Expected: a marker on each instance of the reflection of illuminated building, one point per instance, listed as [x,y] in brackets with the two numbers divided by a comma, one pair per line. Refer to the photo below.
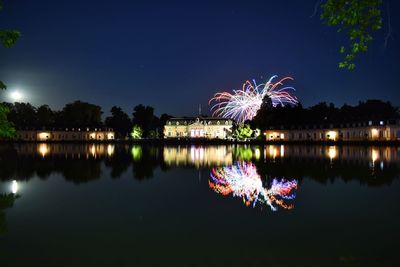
[375,157]
[198,155]
[68,151]
[374,154]
[110,150]
[332,153]
[273,152]
[242,180]
[346,153]
[44,149]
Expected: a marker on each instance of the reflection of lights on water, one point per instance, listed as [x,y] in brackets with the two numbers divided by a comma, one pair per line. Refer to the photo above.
[282,151]
[110,150]
[197,153]
[257,153]
[93,150]
[14,187]
[136,152]
[242,180]
[44,149]
[374,155]
[273,152]
[332,153]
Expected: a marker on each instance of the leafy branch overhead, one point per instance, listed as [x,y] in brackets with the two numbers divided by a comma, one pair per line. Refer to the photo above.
[2,86]
[358,19]
[7,40]
[9,37]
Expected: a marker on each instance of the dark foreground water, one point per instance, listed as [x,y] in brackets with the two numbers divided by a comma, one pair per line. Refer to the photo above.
[116,205]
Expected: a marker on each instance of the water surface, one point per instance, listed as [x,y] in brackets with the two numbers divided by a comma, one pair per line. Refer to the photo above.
[235,205]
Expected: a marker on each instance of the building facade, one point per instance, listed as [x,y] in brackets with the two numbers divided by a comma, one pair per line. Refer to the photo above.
[362,131]
[200,127]
[66,134]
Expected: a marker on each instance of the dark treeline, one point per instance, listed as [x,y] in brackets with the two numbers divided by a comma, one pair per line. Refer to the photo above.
[82,114]
[323,114]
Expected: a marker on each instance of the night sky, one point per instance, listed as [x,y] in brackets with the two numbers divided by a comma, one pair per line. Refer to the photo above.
[176,55]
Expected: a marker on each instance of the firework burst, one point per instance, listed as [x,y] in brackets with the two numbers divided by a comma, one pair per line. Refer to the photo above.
[242,105]
[242,180]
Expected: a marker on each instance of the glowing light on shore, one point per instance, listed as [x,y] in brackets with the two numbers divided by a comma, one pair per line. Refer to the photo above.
[242,105]
[242,181]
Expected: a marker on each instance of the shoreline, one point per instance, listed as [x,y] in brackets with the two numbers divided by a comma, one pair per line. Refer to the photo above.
[209,142]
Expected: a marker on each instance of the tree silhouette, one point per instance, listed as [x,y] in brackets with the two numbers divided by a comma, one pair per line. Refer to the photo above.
[119,121]
[358,19]
[143,116]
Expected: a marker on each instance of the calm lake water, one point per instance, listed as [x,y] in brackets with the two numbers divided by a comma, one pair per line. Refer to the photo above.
[235,205]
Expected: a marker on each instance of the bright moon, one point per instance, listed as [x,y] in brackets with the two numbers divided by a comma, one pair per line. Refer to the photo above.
[16,96]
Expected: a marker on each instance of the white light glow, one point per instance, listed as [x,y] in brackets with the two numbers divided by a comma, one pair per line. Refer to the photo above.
[14,187]
[332,153]
[110,150]
[44,149]
[16,95]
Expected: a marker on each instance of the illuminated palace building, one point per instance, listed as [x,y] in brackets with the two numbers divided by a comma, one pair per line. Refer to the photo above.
[66,134]
[200,127]
[361,131]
